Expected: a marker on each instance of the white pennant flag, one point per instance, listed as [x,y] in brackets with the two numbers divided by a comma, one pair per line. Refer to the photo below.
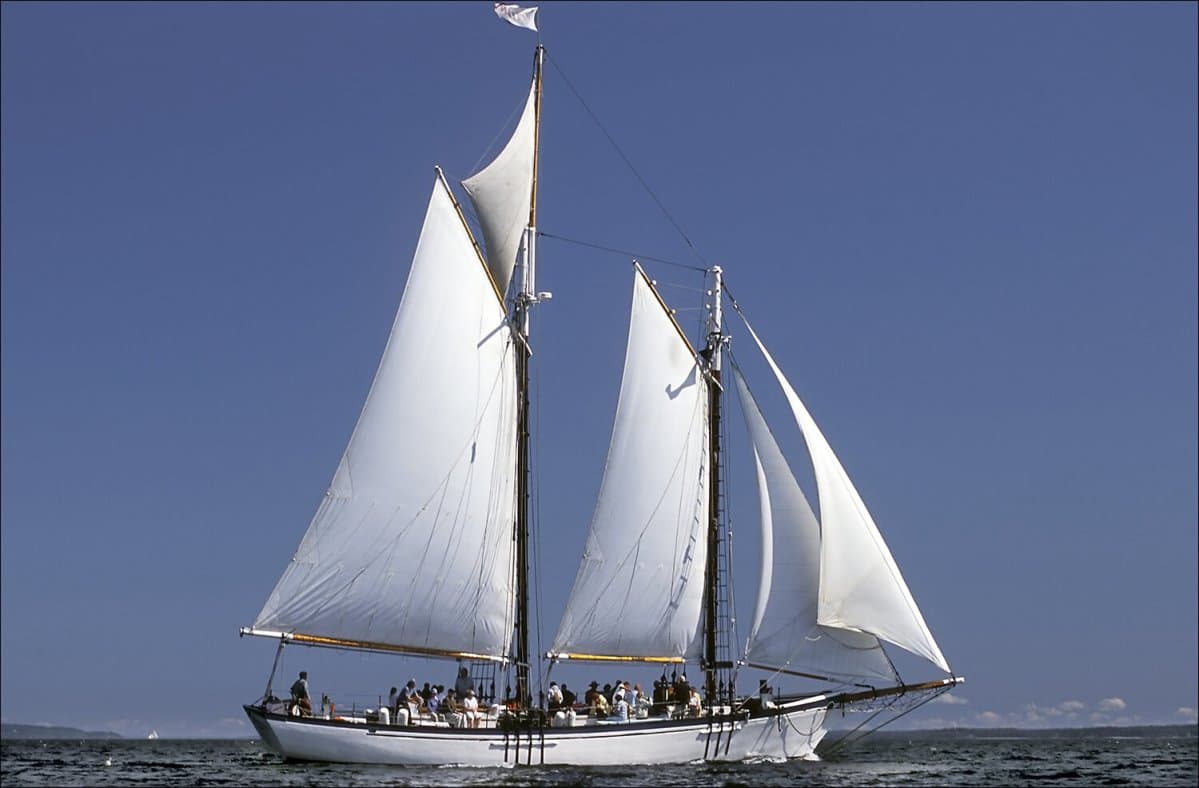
[521,17]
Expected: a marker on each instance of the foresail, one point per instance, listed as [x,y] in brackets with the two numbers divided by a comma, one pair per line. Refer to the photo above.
[502,193]
[412,545]
[639,589]
[860,584]
[784,633]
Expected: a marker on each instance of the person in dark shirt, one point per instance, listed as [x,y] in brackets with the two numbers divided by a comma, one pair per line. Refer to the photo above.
[299,694]
[682,692]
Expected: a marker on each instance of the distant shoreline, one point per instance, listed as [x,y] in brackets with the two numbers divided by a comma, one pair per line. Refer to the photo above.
[1185,730]
[17,731]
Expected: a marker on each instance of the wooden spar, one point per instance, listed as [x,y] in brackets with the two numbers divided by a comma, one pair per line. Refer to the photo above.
[466,228]
[528,295]
[617,658]
[902,689]
[367,645]
[713,598]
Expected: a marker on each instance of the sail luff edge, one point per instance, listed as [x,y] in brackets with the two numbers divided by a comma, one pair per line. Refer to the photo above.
[662,303]
[471,236]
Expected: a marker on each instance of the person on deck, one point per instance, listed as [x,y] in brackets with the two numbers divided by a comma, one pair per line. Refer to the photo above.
[452,710]
[568,697]
[393,700]
[621,709]
[591,694]
[463,683]
[410,696]
[555,696]
[682,691]
[642,705]
[299,694]
[434,703]
[470,707]
[661,696]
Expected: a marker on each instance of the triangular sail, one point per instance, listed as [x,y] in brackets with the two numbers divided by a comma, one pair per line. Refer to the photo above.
[784,633]
[502,193]
[639,589]
[412,545]
[860,585]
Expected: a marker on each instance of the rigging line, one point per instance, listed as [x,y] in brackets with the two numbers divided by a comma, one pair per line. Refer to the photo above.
[498,134]
[689,289]
[862,724]
[622,252]
[846,740]
[536,524]
[625,158]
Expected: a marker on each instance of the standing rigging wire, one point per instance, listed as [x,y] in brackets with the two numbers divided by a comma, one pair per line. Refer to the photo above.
[628,163]
[621,252]
[498,135]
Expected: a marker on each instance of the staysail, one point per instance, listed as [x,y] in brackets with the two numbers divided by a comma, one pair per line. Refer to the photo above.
[861,587]
[502,193]
[639,589]
[411,547]
[784,634]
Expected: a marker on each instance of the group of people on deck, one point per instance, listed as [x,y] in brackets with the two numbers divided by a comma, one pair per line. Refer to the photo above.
[620,702]
[459,705]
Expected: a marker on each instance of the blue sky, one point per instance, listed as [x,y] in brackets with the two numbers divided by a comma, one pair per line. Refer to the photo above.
[967,232]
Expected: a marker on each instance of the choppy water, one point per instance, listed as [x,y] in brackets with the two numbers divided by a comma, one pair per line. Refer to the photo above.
[1167,757]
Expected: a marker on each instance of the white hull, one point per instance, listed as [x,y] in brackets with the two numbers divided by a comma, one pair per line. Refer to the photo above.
[793,734]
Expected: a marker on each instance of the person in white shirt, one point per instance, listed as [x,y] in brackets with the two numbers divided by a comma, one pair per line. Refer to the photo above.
[621,709]
[470,707]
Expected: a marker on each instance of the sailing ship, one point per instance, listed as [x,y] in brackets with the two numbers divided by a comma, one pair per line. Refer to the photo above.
[421,543]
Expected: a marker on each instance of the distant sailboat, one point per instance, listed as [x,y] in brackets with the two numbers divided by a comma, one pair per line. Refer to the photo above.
[437,467]
[152,735]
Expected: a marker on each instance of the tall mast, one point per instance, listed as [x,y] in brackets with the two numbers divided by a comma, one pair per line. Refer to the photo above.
[714,594]
[524,302]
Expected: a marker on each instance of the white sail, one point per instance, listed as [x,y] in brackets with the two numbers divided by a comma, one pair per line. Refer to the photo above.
[639,588]
[784,633]
[860,585]
[502,193]
[412,545]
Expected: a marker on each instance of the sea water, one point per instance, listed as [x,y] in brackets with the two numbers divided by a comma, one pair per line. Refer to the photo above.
[1167,756]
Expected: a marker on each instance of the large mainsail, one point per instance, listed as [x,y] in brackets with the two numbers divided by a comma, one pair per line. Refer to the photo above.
[412,547]
[860,585]
[639,589]
[784,634]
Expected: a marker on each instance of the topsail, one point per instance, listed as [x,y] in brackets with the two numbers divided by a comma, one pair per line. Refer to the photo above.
[502,193]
